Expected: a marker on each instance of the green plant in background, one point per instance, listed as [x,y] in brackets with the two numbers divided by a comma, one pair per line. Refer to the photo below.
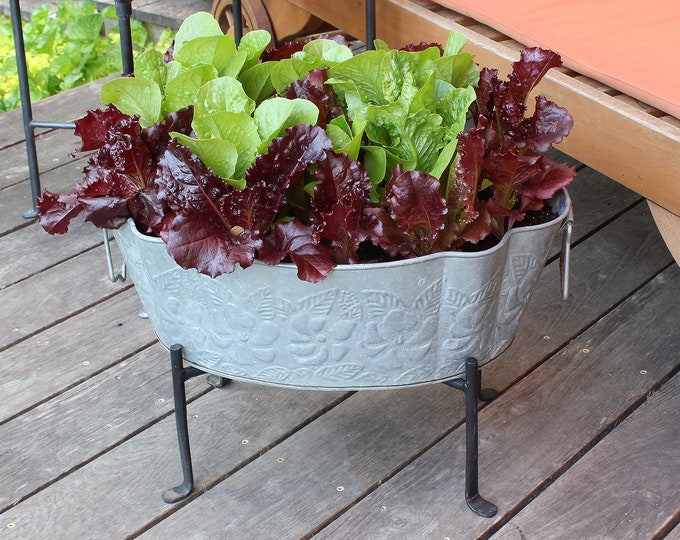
[65,49]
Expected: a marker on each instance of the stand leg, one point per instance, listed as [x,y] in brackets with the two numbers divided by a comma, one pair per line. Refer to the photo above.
[178,377]
[471,386]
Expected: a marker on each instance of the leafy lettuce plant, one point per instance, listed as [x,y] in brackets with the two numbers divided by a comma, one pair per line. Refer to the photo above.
[309,153]
[502,171]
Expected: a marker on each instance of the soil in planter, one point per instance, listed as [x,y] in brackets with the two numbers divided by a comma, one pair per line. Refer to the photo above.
[536,217]
[532,217]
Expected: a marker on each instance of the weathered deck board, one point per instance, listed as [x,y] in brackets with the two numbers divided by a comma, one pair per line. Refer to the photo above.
[102,411]
[65,107]
[48,297]
[340,457]
[536,428]
[62,356]
[165,13]
[46,251]
[637,489]
[121,489]
[16,199]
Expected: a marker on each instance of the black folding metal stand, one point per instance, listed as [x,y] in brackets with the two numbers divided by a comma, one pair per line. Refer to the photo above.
[471,385]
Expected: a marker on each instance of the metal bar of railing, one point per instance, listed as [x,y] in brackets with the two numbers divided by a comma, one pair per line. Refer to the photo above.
[370,24]
[124,12]
[26,110]
[238,20]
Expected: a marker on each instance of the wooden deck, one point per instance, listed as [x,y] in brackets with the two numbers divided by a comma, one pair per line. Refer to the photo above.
[583,442]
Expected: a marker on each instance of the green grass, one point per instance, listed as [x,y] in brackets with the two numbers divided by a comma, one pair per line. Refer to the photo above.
[66,49]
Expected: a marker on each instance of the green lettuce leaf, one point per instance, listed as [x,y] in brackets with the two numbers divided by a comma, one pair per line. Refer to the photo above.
[213,50]
[328,50]
[217,154]
[254,43]
[375,163]
[359,75]
[454,43]
[238,128]
[197,25]
[149,65]
[222,94]
[453,107]
[234,64]
[257,81]
[133,96]
[403,73]
[181,91]
[460,70]
[274,115]
[346,139]
[293,69]
[426,136]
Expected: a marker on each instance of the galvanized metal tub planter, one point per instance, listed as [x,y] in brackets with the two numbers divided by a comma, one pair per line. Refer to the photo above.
[382,325]
[369,326]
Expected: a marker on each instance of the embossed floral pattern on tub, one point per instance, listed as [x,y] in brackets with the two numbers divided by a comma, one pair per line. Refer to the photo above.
[399,334]
[317,340]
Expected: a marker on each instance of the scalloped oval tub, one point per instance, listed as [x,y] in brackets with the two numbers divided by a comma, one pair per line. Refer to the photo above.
[366,326]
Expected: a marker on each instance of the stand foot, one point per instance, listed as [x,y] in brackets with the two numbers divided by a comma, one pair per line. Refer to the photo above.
[216,381]
[30,214]
[488,394]
[480,506]
[178,493]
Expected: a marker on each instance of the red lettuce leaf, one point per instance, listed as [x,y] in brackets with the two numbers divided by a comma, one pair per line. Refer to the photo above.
[464,186]
[196,242]
[157,136]
[169,55]
[93,128]
[548,125]
[383,231]
[463,190]
[338,203]
[283,52]
[481,227]
[521,178]
[313,88]
[57,210]
[118,179]
[302,244]
[417,207]
[422,46]
[216,226]
[527,72]
[549,178]
[283,165]
[506,171]
[208,230]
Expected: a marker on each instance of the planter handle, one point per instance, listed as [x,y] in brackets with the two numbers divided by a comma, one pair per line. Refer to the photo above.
[109,261]
[565,254]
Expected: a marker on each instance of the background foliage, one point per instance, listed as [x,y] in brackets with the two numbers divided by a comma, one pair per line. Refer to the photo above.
[65,49]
